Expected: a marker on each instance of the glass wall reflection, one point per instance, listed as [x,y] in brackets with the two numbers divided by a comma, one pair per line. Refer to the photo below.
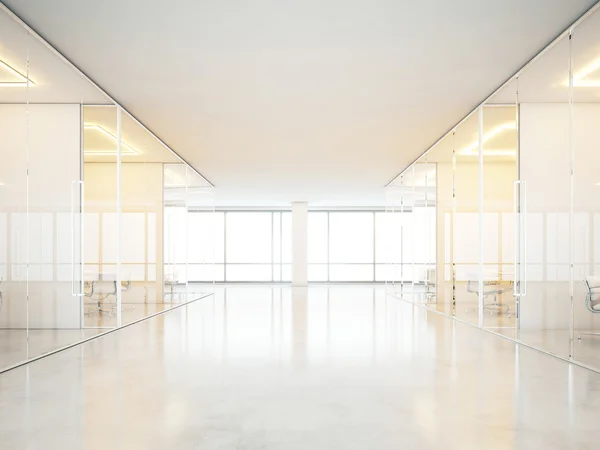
[585,140]
[468,272]
[81,204]
[499,158]
[545,169]
[516,204]
[442,157]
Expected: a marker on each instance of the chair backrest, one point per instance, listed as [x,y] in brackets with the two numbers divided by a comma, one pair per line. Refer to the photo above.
[430,271]
[171,277]
[593,285]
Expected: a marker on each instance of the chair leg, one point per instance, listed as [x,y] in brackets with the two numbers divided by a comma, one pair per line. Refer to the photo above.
[588,333]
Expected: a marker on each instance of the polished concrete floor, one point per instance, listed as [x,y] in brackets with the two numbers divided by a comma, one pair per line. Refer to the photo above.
[18,345]
[503,321]
[329,368]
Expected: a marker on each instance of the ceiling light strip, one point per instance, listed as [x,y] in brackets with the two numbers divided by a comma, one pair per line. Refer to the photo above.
[33,33]
[566,32]
[15,72]
[130,150]
[473,149]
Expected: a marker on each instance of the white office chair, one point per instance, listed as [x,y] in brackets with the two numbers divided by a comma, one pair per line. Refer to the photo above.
[592,300]
[171,281]
[491,288]
[430,284]
[101,289]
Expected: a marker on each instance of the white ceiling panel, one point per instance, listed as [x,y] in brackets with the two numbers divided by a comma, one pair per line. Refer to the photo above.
[278,101]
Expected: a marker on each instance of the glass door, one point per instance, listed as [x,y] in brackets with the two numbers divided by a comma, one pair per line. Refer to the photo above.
[501,213]
[100,217]
[544,191]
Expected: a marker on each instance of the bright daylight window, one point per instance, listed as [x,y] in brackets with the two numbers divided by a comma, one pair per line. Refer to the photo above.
[342,246]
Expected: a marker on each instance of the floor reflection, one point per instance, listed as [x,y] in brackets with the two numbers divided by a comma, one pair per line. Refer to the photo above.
[550,334]
[17,345]
[324,368]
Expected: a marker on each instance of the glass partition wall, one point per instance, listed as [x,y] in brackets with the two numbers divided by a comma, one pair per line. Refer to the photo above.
[517,210]
[82,209]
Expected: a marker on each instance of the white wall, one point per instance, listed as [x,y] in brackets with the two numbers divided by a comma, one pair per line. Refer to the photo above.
[42,237]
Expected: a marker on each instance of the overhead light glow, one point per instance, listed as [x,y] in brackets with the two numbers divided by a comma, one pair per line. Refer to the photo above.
[126,150]
[22,78]
[579,78]
[172,179]
[473,149]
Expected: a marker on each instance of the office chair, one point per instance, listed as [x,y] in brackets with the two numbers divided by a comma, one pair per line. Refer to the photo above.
[171,282]
[93,285]
[592,300]
[430,284]
[491,288]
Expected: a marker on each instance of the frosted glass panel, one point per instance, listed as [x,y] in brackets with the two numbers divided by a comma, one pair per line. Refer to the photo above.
[109,238]
[545,170]
[508,236]
[465,252]
[91,239]
[490,237]
[175,246]
[133,248]
[63,238]
[151,249]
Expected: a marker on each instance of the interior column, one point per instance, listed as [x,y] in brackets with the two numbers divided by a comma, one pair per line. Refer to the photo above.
[299,244]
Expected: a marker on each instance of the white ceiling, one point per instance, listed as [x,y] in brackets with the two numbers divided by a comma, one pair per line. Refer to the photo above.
[277,101]
[54,81]
[100,134]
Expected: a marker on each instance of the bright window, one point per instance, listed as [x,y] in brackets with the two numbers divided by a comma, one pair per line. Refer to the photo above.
[351,237]
[248,237]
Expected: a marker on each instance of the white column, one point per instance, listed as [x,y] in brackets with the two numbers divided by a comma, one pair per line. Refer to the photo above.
[299,244]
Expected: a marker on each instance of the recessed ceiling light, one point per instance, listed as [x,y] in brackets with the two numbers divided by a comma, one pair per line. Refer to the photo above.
[473,149]
[173,179]
[579,78]
[22,78]
[126,150]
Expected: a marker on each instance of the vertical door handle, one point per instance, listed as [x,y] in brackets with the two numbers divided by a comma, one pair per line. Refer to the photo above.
[519,238]
[79,292]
